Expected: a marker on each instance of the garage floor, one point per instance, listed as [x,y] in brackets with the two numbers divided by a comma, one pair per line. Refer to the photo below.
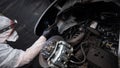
[26,12]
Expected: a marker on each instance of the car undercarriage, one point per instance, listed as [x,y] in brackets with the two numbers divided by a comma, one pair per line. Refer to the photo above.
[88,34]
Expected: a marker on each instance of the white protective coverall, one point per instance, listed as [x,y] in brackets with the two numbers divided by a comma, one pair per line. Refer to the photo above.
[12,58]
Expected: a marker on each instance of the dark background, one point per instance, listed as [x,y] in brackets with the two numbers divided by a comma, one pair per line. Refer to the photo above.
[26,12]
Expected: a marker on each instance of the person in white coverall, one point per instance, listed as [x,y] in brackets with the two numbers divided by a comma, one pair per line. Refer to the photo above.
[10,57]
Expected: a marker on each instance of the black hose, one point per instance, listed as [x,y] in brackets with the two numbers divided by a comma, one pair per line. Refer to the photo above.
[83,55]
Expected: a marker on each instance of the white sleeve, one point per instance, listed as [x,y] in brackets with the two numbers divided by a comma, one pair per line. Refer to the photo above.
[31,52]
[8,56]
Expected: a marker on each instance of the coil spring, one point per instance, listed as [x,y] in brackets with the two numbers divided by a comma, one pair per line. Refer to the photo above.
[72,32]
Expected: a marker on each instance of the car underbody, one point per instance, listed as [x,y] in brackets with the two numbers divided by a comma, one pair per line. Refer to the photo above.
[89,34]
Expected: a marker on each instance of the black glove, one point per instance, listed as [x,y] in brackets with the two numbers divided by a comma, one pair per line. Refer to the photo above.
[50,32]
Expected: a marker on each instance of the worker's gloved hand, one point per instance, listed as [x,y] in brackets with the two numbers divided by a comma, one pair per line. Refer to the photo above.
[50,32]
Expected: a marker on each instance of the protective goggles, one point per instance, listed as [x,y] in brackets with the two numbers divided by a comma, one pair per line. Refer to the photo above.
[11,26]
